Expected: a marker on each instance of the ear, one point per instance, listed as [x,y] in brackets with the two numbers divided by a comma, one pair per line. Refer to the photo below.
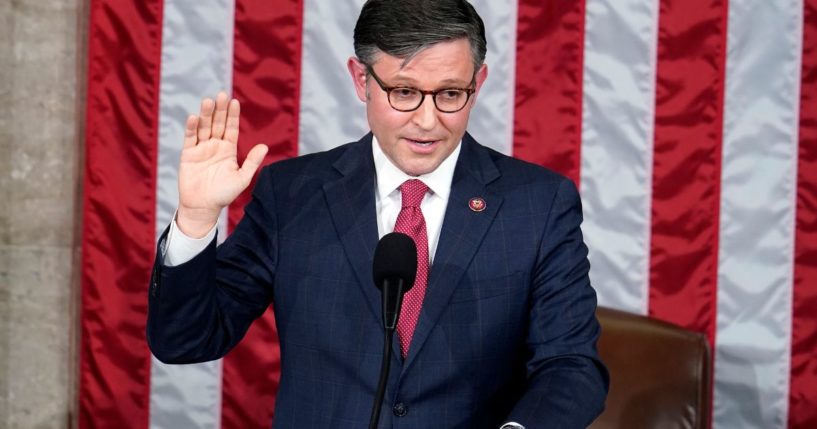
[482,74]
[359,74]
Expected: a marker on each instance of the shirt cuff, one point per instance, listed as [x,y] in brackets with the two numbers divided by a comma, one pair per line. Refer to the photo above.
[180,248]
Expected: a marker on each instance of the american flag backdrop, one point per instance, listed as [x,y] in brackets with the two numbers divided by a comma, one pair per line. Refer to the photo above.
[690,127]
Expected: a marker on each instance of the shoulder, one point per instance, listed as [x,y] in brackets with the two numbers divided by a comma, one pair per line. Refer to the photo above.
[517,169]
[515,175]
[317,167]
[314,164]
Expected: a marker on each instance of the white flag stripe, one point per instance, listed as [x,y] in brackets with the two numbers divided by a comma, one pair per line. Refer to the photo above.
[757,214]
[197,61]
[330,113]
[617,141]
[491,121]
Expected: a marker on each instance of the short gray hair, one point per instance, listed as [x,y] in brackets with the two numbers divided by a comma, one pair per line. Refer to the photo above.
[403,28]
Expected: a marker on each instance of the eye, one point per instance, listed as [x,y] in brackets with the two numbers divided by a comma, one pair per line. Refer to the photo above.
[404,93]
[450,94]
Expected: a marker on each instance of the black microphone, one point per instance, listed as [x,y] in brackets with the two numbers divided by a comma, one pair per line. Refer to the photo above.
[394,269]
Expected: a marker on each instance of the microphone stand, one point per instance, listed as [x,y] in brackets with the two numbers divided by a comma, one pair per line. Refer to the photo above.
[392,301]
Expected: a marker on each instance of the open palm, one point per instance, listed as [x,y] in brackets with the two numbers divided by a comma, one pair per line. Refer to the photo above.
[210,177]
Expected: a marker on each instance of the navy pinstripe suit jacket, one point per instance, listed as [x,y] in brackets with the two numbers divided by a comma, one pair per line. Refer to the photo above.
[507,331]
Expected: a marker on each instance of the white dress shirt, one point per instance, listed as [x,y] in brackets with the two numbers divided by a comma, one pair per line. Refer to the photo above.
[180,248]
[389,200]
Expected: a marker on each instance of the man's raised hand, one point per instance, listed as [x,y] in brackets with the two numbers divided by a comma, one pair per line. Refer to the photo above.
[209,175]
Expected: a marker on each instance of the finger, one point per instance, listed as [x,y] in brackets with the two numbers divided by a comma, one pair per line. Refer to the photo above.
[206,119]
[190,138]
[254,160]
[220,116]
[233,112]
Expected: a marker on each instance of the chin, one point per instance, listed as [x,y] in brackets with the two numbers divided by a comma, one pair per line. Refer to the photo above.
[417,170]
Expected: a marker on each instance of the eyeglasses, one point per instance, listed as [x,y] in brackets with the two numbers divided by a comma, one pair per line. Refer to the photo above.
[407,99]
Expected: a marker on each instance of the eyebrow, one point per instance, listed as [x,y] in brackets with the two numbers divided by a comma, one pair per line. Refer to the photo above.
[445,83]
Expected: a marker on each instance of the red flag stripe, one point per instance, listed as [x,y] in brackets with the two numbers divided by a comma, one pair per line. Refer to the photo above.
[548,99]
[118,234]
[266,80]
[803,384]
[687,163]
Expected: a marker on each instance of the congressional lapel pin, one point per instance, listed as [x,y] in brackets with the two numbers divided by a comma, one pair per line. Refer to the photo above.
[476,204]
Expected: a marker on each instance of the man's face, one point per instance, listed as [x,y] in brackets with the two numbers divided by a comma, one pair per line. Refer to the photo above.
[418,141]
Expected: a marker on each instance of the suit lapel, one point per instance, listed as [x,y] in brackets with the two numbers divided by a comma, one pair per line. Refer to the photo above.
[352,207]
[462,233]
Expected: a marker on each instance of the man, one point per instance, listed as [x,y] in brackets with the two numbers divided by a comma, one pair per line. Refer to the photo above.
[499,330]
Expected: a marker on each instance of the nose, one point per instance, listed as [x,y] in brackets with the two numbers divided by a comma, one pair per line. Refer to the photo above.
[425,117]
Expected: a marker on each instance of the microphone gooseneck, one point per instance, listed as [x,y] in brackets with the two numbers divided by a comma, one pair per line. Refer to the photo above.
[394,270]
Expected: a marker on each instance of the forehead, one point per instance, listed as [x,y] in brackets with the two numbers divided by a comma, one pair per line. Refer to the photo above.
[444,62]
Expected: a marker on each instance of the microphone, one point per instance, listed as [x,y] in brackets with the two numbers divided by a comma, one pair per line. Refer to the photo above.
[394,270]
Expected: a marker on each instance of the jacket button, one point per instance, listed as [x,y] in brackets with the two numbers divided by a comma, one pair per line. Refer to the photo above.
[400,409]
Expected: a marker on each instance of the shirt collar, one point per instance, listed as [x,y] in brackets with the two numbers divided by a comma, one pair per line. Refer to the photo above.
[389,177]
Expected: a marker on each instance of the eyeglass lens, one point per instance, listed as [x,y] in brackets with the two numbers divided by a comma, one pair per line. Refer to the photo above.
[448,100]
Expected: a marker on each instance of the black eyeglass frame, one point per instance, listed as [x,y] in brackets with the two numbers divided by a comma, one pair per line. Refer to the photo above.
[388,90]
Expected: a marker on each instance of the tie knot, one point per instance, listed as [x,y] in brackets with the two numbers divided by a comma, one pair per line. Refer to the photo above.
[413,191]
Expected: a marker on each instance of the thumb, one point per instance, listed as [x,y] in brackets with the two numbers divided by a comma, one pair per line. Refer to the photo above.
[254,159]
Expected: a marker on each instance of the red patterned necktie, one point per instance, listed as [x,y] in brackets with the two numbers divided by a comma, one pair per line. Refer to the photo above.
[411,222]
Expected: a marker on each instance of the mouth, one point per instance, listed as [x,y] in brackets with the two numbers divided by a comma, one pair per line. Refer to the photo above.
[423,143]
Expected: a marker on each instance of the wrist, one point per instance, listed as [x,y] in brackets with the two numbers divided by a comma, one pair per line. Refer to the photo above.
[196,223]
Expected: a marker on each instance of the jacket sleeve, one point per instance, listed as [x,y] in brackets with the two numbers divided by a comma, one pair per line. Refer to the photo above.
[566,382]
[199,310]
